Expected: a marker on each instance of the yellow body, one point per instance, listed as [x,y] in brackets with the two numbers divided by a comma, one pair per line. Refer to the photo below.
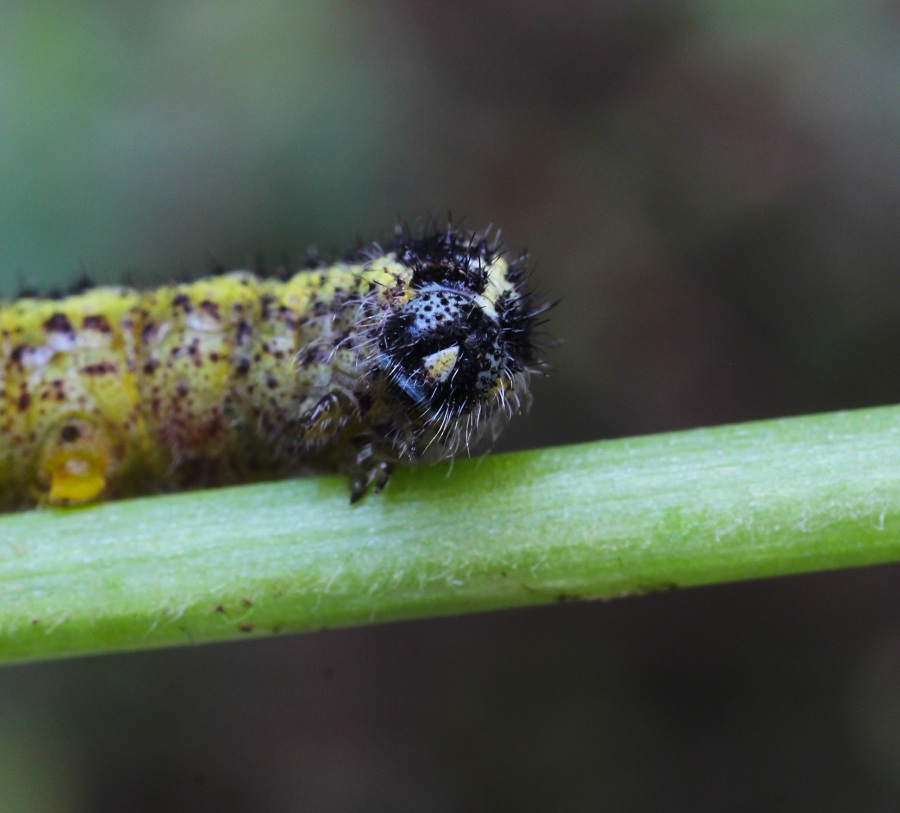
[117,391]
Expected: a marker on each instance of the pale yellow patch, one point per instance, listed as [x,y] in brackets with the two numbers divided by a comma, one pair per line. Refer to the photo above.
[440,364]
[76,479]
[389,274]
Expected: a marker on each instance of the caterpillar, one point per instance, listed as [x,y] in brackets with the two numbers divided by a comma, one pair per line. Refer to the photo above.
[394,355]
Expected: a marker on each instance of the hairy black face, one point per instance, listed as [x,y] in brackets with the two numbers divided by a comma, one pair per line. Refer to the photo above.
[444,351]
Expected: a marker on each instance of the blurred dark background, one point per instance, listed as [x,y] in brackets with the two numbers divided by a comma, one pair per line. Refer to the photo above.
[712,188]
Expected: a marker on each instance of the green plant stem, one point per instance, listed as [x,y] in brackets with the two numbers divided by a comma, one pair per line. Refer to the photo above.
[594,520]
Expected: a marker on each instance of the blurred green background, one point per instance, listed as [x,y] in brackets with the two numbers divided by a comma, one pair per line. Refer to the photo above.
[713,189]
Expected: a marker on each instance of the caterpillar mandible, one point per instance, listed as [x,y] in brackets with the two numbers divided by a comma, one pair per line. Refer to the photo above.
[393,355]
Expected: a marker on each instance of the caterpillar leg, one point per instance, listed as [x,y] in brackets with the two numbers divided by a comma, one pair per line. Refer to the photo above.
[372,464]
[369,469]
[74,463]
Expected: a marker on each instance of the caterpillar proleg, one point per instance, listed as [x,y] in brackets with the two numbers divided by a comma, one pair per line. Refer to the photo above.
[410,352]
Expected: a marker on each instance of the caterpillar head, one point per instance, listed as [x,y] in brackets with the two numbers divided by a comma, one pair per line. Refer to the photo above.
[458,352]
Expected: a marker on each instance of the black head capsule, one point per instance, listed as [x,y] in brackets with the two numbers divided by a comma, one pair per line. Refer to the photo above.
[443,350]
[457,354]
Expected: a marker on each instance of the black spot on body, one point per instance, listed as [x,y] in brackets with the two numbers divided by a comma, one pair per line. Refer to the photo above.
[96,322]
[148,332]
[58,323]
[265,305]
[243,331]
[101,368]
